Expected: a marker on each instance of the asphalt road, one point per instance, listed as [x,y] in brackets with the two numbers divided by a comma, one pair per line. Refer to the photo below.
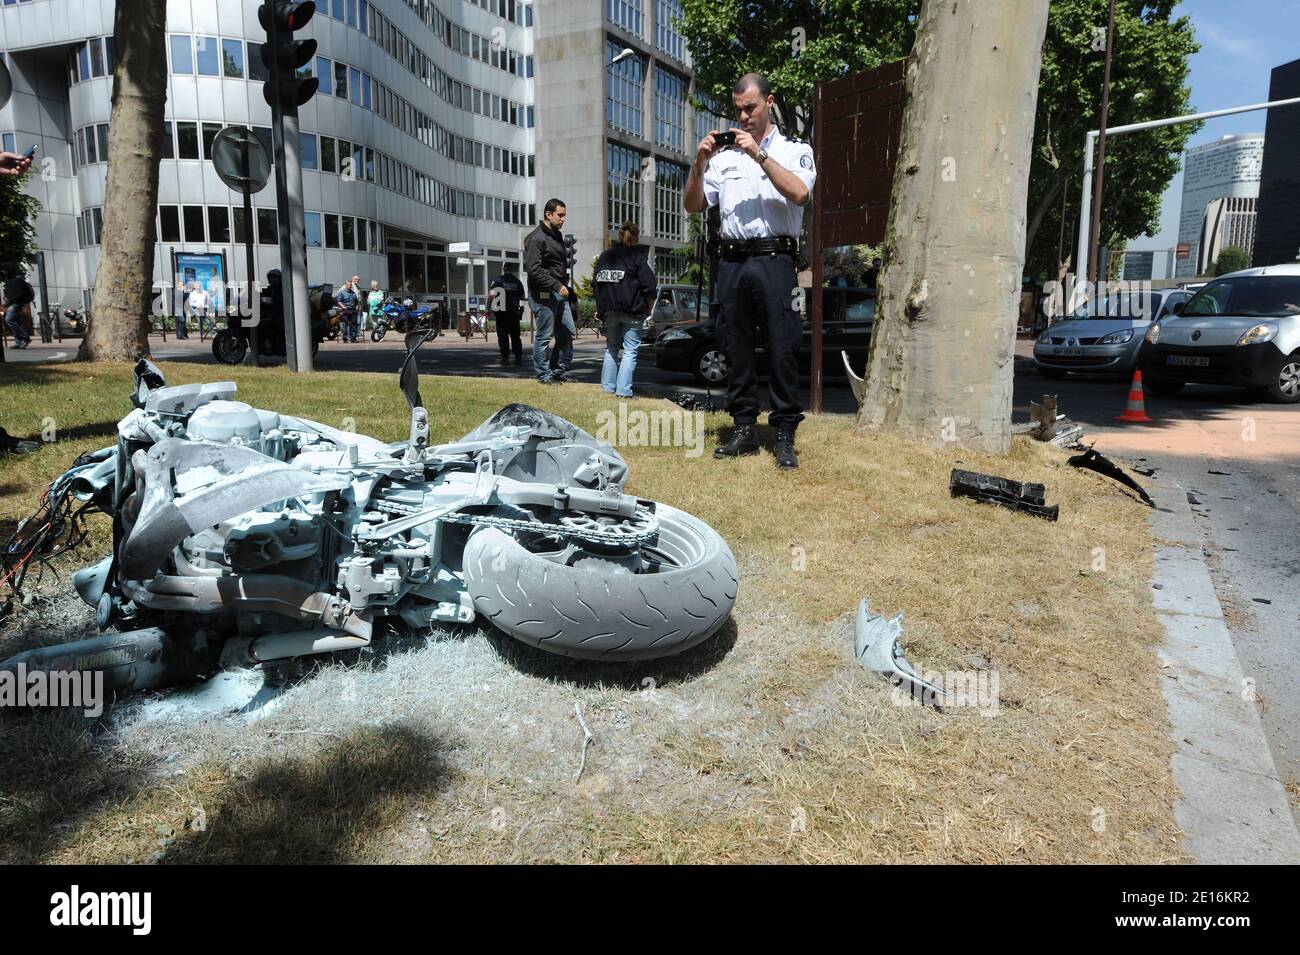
[1238,459]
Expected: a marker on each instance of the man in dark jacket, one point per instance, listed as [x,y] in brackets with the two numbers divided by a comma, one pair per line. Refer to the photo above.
[546,262]
[625,295]
[18,296]
[506,302]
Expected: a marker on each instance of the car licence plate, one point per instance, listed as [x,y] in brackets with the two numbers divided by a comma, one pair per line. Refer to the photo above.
[1195,361]
[1069,351]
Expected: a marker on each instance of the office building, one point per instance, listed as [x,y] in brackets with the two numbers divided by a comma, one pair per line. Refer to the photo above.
[1277,231]
[421,135]
[1229,167]
[616,131]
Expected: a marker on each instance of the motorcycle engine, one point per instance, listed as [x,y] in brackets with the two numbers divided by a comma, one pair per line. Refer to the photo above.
[234,422]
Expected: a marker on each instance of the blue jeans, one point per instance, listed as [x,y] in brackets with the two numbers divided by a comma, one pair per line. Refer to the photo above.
[621,330]
[544,329]
[13,316]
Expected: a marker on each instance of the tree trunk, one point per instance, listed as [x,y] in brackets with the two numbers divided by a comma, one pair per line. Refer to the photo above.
[123,295]
[943,349]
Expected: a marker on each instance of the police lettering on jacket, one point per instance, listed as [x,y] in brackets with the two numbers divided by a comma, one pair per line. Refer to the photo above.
[624,281]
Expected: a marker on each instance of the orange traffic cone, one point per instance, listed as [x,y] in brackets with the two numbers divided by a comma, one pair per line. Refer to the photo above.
[1136,409]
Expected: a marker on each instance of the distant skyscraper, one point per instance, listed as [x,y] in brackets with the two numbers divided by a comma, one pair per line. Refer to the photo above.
[1226,168]
[1277,235]
[1228,222]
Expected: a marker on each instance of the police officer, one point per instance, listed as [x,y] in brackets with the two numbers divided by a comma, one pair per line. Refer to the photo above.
[625,297]
[507,307]
[761,184]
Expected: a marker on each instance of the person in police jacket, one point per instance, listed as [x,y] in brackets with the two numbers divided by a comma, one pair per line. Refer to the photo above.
[761,185]
[625,294]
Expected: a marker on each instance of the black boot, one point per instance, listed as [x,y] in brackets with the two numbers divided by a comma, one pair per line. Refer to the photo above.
[784,449]
[744,440]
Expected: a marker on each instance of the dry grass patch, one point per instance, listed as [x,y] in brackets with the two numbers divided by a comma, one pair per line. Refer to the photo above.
[768,744]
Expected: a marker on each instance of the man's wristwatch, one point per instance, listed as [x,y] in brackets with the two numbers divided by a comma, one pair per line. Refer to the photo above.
[762,156]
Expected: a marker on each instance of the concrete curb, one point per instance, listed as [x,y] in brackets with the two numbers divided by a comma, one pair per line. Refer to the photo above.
[1232,807]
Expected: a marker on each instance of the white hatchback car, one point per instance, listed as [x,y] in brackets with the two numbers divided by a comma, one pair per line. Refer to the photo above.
[1241,329]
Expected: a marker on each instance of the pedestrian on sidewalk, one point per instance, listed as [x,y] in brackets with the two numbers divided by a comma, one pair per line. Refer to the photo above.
[625,295]
[348,299]
[374,304]
[19,296]
[506,303]
[546,262]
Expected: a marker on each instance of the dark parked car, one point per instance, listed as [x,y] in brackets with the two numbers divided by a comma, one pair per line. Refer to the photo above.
[847,318]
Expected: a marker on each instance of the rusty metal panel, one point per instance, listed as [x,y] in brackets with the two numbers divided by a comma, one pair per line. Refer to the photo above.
[860,125]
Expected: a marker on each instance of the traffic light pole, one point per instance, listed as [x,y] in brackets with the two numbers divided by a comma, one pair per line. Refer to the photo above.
[289,214]
[293,248]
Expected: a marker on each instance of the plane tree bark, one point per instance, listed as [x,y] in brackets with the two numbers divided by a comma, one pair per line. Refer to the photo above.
[123,295]
[943,347]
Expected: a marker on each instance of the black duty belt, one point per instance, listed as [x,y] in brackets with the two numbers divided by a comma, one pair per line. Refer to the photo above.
[744,248]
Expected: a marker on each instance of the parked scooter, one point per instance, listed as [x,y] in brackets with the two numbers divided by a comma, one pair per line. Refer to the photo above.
[230,345]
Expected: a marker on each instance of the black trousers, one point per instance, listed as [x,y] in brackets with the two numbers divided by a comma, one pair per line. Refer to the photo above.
[508,339]
[756,302]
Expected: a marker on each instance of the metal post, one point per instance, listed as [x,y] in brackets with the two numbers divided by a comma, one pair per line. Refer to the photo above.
[815,306]
[1101,149]
[46,337]
[1081,258]
[254,299]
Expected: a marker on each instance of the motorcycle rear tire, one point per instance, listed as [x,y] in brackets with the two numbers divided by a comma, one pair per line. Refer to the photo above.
[593,612]
[229,348]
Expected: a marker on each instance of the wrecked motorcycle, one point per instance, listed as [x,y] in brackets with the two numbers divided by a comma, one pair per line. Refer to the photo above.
[243,536]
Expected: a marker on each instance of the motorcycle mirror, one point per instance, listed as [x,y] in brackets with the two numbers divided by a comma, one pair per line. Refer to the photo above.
[408,378]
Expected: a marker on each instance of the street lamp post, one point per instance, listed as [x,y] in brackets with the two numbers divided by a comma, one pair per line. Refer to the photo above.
[1101,147]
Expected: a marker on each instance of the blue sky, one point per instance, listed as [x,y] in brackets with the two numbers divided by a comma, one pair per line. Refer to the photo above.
[1241,41]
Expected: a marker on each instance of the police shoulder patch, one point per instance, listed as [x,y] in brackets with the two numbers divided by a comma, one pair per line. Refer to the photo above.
[806,160]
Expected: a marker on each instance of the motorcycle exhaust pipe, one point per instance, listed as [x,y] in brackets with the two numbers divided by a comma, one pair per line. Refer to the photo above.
[148,659]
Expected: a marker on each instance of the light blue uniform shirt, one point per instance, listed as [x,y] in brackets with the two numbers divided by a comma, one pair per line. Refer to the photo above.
[751,206]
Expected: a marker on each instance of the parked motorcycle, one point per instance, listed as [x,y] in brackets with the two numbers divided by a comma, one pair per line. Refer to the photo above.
[243,536]
[230,345]
[406,317]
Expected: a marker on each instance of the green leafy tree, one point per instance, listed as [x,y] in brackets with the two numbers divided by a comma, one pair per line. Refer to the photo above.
[17,225]
[1148,81]
[795,43]
[1232,258]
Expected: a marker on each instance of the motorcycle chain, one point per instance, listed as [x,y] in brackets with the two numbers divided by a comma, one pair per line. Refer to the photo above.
[642,528]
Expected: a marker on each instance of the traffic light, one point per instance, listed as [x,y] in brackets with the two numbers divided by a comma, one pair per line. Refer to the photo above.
[284,56]
[571,250]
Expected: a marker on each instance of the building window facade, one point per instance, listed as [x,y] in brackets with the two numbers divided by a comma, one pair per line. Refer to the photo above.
[625,83]
[667,37]
[670,109]
[709,115]
[624,173]
[670,182]
[626,13]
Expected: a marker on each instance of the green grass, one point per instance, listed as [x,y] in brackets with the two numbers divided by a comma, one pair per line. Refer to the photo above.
[784,724]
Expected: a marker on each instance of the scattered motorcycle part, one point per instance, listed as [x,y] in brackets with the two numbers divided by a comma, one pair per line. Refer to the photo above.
[1001,491]
[1094,460]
